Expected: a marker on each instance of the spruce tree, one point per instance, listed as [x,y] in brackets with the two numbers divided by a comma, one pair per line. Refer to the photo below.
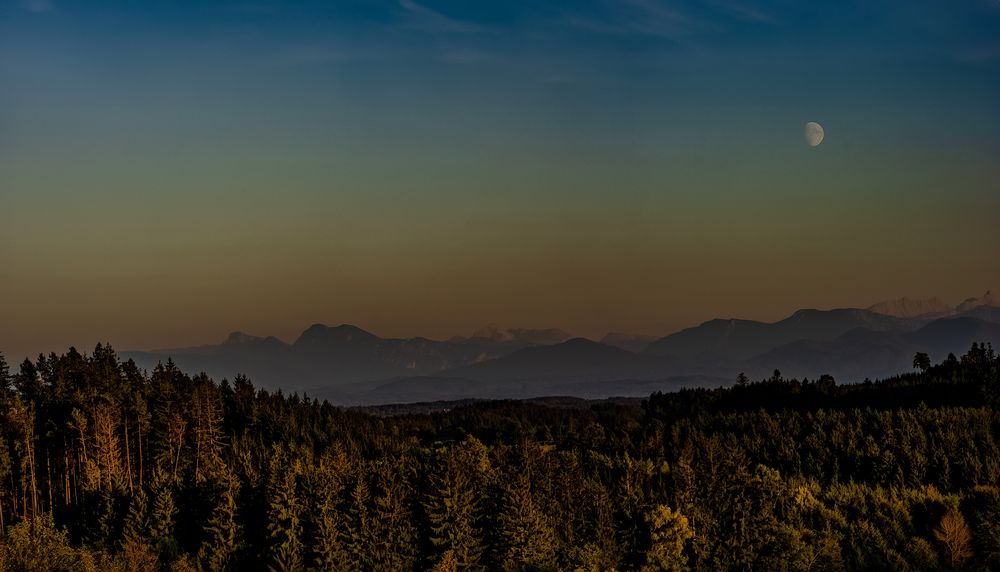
[528,536]
[451,505]
[284,513]
[327,482]
[222,529]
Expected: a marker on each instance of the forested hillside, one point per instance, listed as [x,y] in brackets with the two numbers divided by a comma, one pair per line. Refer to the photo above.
[103,466]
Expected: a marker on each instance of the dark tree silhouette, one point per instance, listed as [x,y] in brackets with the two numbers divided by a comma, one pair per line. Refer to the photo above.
[104,466]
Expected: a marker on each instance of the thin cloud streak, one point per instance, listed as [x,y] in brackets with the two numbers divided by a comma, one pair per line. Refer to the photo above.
[745,11]
[650,18]
[424,19]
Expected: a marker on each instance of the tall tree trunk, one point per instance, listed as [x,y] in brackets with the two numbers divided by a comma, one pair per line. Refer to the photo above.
[13,496]
[48,466]
[197,452]
[177,461]
[34,481]
[138,426]
[128,457]
[66,469]
[76,477]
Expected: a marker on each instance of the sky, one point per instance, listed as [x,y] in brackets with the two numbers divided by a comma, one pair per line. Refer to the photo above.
[174,171]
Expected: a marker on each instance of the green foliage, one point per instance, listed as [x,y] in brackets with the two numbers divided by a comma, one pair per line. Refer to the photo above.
[222,529]
[669,531]
[105,467]
[160,525]
[528,534]
[921,361]
[326,483]
[955,538]
[285,513]
[36,544]
[453,504]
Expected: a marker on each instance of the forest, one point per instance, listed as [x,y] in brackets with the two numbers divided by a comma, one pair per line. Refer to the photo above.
[104,466]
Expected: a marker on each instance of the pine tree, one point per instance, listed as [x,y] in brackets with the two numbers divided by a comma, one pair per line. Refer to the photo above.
[5,475]
[137,520]
[222,530]
[361,536]
[4,375]
[284,513]
[393,544]
[21,424]
[447,563]
[451,506]
[162,516]
[206,429]
[527,534]
[106,447]
[171,426]
[328,522]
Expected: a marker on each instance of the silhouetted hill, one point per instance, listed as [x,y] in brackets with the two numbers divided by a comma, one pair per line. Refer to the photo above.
[954,335]
[863,353]
[973,303]
[522,336]
[265,358]
[324,338]
[910,308]
[429,388]
[324,355]
[351,365]
[722,342]
[630,342]
[932,308]
[984,313]
[578,358]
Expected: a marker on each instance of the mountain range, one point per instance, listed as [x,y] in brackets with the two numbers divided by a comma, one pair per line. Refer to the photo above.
[349,365]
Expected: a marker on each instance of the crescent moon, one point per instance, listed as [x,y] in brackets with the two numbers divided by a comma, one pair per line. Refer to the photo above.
[814,133]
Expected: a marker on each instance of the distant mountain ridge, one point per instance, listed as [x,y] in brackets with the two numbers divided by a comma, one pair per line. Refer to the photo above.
[578,358]
[863,354]
[910,308]
[728,340]
[495,333]
[333,355]
[972,303]
[930,307]
[351,365]
[584,368]
[630,342]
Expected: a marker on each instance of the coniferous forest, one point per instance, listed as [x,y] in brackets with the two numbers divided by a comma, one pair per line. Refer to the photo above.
[106,467]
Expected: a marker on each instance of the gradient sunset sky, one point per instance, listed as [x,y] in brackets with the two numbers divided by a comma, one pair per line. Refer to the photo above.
[173,171]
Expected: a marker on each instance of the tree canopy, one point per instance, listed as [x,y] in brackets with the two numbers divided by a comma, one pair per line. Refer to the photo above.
[105,466]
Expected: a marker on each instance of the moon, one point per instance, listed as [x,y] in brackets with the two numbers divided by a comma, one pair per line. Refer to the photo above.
[814,133]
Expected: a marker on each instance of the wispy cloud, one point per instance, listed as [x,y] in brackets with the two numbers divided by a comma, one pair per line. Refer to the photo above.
[745,11]
[638,18]
[38,6]
[420,17]
[254,8]
[664,18]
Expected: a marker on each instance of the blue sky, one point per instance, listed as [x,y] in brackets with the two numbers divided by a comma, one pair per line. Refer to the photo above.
[333,158]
